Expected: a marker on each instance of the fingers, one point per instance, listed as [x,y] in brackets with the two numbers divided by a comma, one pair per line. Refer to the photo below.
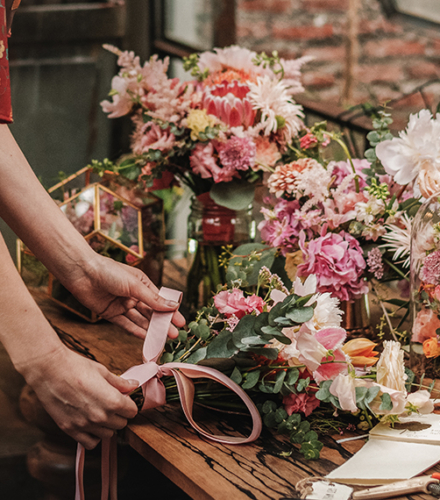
[123,385]
[143,289]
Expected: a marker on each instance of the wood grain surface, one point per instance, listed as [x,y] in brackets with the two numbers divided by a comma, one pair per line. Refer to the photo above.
[203,469]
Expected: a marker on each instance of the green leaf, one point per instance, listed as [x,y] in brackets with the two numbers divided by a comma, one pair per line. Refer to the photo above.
[294,419]
[270,420]
[266,258]
[197,356]
[237,194]
[280,415]
[261,320]
[300,315]
[386,404]
[267,352]
[220,347]
[275,312]
[183,335]
[311,436]
[268,389]
[251,379]
[204,331]
[269,406]
[244,328]
[271,330]
[371,394]
[323,393]
[279,379]
[292,376]
[303,383]
[166,357]
[236,376]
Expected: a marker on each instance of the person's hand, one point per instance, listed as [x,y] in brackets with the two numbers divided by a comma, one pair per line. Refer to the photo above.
[85,400]
[121,294]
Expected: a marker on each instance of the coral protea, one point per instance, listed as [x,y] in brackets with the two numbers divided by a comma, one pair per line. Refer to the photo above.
[229,102]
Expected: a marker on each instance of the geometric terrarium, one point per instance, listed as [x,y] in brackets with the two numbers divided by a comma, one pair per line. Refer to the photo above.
[117,219]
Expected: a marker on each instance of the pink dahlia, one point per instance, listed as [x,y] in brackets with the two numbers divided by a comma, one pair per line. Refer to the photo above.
[337,262]
[228,102]
[152,136]
[238,153]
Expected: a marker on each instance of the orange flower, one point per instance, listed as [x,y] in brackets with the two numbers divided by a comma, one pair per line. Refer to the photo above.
[361,352]
[431,347]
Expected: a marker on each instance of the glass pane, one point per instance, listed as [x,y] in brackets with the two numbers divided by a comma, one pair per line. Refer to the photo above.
[119,221]
[81,212]
[190,22]
[176,70]
[426,9]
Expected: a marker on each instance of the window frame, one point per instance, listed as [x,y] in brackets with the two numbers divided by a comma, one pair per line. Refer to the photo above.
[391,11]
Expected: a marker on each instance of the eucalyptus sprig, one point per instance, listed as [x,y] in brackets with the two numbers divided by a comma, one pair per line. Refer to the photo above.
[273,62]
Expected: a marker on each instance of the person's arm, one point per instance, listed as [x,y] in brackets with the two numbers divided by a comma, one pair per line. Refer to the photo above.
[117,292]
[82,396]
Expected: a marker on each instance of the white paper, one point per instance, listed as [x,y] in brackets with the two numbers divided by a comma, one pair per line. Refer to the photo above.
[323,490]
[382,461]
[431,435]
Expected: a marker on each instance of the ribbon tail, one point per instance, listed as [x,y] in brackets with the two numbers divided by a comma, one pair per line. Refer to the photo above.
[79,472]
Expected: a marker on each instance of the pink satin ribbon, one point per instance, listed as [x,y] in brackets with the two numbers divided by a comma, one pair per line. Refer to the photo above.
[149,374]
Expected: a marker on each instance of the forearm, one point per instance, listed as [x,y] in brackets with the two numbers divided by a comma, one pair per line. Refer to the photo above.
[24,331]
[28,209]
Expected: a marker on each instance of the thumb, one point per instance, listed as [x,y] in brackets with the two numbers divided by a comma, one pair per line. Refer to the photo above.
[124,386]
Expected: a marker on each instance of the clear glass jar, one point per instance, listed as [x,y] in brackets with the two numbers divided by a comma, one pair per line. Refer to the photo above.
[425,290]
[210,228]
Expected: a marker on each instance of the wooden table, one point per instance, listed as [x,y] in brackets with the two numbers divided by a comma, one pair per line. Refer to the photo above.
[203,469]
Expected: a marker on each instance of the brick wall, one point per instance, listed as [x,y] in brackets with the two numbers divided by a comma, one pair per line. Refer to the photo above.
[394,56]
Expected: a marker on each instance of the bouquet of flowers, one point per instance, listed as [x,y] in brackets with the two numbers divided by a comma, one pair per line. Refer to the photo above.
[289,352]
[216,133]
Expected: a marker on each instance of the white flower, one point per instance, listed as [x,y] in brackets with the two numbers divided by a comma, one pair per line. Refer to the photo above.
[399,239]
[366,211]
[420,401]
[306,288]
[326,313]
[234,57]
[416,149]
[272,99]
[343,387]
[391,367]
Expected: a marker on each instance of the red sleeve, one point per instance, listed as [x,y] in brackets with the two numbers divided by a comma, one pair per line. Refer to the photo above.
[5,87]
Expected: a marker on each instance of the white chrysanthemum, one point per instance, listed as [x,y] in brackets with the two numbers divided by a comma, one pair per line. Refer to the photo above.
[416,150]
[272,99]
[398,239]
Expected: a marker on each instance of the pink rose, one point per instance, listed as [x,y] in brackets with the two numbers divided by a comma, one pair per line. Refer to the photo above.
[338,263]
[233,302]
[425,325]
[306,403]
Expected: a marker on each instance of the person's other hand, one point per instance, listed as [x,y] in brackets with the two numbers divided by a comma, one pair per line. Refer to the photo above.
[85,400]
[121,294]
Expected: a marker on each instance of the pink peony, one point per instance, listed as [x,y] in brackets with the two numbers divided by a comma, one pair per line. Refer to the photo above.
[425,325]
[303,402]
[233,302]
[337,262]
[238,153]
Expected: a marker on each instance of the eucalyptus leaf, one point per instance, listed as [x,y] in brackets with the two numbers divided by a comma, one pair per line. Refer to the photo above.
[221,347]
[197,356]
[267,352]
[237,194]
[300,315]
[279,379]
[236,376]
[251,379]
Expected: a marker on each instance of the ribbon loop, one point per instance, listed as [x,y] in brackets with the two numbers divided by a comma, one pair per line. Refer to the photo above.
[148,375]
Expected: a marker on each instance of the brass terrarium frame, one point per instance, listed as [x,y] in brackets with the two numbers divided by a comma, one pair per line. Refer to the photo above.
[92,181]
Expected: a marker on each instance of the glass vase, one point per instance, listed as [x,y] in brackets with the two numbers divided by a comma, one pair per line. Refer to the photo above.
[211,227]
[425,290]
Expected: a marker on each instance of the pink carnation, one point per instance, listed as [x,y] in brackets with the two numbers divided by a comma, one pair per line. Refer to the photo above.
[308,141]
[203,163]
[337,262]
[302,402]
[238,153]
[233,302]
